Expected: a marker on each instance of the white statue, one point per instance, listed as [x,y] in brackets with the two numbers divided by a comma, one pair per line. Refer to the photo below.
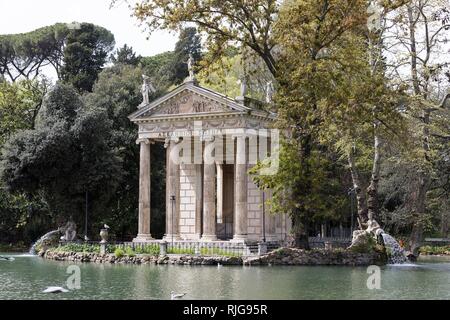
[243,82]
[147,87]
[70,231]
[190,64]
[269,92]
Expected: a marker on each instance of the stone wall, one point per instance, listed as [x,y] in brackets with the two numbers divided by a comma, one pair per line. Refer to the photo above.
[254,200]
[141,259]
[283,256]
[292,256]
[187,201]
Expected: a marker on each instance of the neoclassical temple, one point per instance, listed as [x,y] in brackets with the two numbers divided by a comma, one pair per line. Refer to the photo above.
[211,141]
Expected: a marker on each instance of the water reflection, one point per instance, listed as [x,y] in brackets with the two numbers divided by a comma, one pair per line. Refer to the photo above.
[26,277]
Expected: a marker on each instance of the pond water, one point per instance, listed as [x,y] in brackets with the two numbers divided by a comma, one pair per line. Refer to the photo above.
[27,276]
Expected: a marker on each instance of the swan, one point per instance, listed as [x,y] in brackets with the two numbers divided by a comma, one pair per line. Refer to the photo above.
[55,290]
[7,258]
[174,295]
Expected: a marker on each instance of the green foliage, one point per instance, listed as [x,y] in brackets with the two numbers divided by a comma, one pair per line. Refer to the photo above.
[85,53]
[125,55]
[225,23]
[170,68]
[367,245]
[157,67]
[129,252]
[306,189]
[151,249]
[119,253]
[117,93]
[79,247]
[19,104]
[65,156]
[22,217]
[180,251]
[225,75]
[435,250]
[24,55]
[188,43]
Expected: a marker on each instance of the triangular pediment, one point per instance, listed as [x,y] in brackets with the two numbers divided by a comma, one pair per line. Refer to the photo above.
[187,102]
[189,99]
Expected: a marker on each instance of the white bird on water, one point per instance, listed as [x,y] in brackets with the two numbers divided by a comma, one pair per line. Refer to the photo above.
[55,290]
[7,258]
[174,296]
[219,265]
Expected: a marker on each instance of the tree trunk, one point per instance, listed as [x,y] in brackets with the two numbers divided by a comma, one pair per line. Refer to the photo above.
[359,191]
[301,237]
[444,223]
[372,190]
[416,237]
[302,241]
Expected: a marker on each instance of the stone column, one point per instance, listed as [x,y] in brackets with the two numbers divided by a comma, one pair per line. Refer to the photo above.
[209,196]
[198,200]
[144,192]
[219,185]
[240,178]
[172,189]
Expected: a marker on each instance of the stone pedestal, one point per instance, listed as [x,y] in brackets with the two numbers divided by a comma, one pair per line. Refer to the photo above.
[163,248]
[262,248]
[103,248]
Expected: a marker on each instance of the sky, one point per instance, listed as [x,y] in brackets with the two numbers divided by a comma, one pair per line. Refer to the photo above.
[19,16]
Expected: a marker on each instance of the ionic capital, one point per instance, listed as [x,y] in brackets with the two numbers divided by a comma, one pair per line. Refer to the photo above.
[145,140]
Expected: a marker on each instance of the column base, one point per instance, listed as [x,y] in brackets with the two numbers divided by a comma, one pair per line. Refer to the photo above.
[210,237]
[239,238]
[143,238]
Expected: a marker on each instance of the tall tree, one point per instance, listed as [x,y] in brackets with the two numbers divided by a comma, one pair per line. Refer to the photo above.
[125,55]
[224,23]
[188,43]
[117,93]
[23,56]
[66,156]
[86,51]
[19,105]
[418,58]
[329,92]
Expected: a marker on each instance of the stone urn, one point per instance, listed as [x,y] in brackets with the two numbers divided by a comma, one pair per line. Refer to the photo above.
[104,235]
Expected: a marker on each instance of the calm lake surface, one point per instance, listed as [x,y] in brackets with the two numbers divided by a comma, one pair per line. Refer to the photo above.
[27,276]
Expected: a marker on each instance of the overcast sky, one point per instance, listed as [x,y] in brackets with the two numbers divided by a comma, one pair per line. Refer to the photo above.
[18,16]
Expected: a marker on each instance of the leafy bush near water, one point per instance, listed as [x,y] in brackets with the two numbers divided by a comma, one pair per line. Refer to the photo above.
[119,253]
[150,249]
[79,247]
[432,250]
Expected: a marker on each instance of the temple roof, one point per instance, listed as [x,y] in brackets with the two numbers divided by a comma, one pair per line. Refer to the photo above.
[190,100]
